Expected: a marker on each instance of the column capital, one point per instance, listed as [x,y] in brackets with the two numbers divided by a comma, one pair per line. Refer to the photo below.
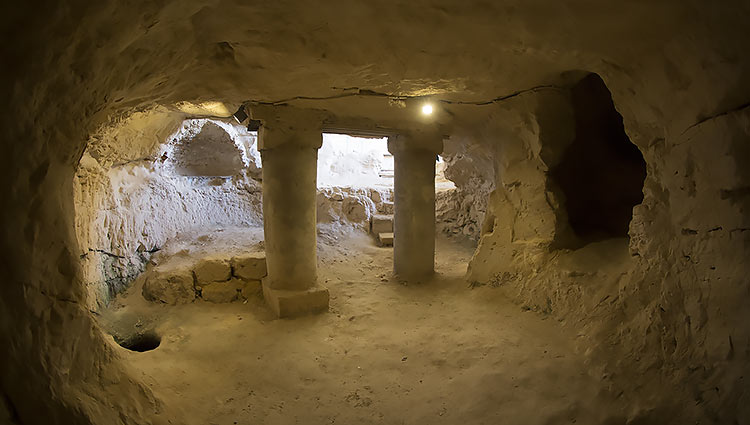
[429,141]
[288,126]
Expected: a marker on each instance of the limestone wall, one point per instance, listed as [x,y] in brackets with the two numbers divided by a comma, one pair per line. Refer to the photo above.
[678,73]
[460,211]
[127,209]
[666,301]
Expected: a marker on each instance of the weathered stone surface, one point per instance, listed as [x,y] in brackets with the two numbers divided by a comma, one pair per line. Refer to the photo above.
[210,270]
[675,82]
[296,303]
[222,292]
[381,223]
[357,209]
[386,207]
[169,286]
[251,266]
[251,289]
[385,239]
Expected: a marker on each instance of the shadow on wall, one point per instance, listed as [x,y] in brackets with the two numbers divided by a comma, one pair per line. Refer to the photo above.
[601,173]
[212,152]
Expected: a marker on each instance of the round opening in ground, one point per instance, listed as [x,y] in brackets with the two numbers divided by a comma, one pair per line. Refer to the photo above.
[141,342]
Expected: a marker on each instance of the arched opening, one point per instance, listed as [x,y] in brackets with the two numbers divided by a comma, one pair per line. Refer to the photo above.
[209,153]
[355,185]
[150,178]
[601,173]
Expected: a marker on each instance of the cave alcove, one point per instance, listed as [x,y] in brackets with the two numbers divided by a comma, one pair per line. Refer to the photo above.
[601,173]
[210,153]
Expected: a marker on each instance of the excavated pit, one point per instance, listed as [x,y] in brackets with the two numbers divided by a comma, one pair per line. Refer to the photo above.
[140,342]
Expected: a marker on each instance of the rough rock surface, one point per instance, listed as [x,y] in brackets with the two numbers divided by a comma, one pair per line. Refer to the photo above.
[677,71]
[133,193]
[169,285]
[649,308]
[222,292]
[350,205]
[250,266]
[251,289]
[127,208]
[212,269]
[212,152]
[461,210]
[219,265]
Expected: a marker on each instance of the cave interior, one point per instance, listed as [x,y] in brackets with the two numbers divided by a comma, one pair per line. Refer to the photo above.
[425,213]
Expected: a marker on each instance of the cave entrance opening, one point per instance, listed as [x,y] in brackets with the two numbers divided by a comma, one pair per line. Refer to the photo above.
[355,180]
[154,182]
[349,161]
[601,173]
[212,152]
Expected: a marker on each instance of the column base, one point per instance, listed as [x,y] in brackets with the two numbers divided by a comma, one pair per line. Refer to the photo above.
[415,278]
[285,303]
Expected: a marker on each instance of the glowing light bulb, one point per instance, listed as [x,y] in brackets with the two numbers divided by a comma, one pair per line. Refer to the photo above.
[427,109]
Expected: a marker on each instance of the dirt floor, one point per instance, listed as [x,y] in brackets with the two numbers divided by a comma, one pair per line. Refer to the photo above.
[386,353]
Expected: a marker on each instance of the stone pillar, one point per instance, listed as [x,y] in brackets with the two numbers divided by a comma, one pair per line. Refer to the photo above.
[414,205]
[288,141]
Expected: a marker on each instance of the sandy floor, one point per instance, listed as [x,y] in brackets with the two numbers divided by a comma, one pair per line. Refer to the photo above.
[435,353]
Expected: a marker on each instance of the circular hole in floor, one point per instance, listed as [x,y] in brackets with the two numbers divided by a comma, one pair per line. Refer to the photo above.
[140,342]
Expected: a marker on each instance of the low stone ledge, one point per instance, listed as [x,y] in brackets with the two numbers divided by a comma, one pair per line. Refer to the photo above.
[286,303]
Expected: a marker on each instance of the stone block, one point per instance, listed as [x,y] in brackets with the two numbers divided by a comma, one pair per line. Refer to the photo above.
[169,286]
[381,223]
[296,303]
[251,289]
[356,209]
[222,292]
[251,266]
[209,270]
[385,239]
[387,207]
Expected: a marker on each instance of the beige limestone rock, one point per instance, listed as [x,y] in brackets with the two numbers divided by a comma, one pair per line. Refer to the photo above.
[376,196]
[385,239]
[291,303]
[251,289]
[222,292]
[210,270]
[250,266]
[358,209]
[381,223]
[386,207]
[687,72]
[130,197]
[173,286]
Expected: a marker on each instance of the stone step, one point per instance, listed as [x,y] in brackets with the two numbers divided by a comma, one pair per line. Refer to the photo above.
[385,239]
[381,223]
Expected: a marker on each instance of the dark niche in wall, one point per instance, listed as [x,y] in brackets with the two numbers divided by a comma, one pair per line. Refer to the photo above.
[210,153]
[601,173]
